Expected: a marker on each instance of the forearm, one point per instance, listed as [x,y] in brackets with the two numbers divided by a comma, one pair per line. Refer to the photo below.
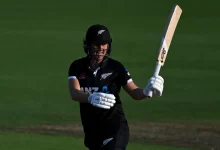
[138,94]
[79,96]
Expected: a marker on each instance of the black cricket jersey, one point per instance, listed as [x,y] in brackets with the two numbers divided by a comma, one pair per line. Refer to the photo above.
[108,78]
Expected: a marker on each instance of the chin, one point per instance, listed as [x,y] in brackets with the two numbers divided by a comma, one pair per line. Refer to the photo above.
[99,57]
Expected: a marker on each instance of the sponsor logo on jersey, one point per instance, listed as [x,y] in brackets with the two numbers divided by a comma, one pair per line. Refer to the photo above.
[89,90]
[105,89]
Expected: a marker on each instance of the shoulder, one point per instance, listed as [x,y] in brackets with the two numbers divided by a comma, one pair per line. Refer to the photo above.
[76,66]
[78,62]
[116,64]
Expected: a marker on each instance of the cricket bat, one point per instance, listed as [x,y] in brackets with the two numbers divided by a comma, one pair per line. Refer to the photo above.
[167,36]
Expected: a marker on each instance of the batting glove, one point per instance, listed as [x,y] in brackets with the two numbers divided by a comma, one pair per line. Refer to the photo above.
[155,84]
[102,100]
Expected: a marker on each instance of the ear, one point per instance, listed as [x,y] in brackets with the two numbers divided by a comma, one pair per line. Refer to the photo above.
[85,46]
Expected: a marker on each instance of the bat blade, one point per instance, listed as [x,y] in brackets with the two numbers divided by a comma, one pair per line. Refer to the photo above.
[167,36]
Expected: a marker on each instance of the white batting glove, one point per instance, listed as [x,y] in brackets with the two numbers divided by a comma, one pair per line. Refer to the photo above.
[102,100]
[155,84]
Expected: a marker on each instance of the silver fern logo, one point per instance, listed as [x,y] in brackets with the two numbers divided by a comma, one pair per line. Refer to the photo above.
[100,32]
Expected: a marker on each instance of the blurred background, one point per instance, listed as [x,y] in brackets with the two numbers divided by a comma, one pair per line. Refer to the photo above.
[40,39]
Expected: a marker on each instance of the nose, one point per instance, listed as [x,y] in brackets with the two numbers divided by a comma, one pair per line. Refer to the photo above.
[100,48]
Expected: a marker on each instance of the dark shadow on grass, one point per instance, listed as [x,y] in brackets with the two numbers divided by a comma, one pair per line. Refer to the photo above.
[175,134]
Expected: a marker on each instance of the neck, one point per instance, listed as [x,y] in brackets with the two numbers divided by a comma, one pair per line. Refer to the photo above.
[94,64]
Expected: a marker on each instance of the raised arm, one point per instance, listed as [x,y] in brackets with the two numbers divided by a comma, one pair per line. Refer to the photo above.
[155,84]
[134,91]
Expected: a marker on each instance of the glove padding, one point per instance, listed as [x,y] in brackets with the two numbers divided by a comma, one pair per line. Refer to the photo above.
[102,100]
[155,84]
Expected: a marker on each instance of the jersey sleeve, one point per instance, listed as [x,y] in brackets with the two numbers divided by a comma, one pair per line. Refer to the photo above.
[72,71]
[124,75]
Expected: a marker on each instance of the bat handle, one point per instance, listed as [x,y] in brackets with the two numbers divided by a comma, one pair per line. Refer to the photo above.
[156,73]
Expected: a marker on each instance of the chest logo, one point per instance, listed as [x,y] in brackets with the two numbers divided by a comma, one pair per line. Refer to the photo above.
[82,76]
[105,75]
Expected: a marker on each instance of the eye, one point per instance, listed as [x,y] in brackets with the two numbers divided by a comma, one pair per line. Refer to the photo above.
[94,48]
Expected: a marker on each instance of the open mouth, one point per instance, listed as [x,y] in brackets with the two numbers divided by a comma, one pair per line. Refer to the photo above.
[98,53]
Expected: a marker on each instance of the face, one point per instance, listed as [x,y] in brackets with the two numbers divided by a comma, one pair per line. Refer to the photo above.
[98,51]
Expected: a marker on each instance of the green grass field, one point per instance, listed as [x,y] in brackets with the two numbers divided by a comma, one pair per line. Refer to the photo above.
[20,141]
[39,40]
